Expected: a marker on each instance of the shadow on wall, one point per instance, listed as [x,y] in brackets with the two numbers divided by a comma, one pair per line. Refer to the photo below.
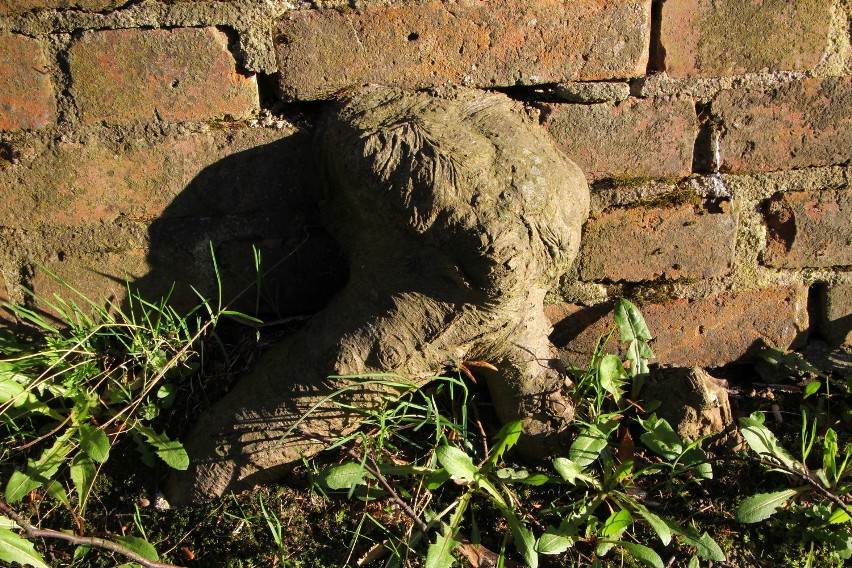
[265,197]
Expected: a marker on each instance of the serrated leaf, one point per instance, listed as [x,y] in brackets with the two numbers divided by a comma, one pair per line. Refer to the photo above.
[170,451]
[506,438]
[457,463]
[439,554]
[552,542]
[763,505]
[643,554]
[838,516]
[574,473]
[587,447]
[94,442]
[344,476]
[15,548]
[140,546]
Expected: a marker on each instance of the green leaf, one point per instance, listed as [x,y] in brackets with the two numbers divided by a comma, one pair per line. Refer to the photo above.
[829,454]
[509,475]
[616,523]
[170,451]
[661,438]
[704,545]
[94,442]
[140,546]
[612,375]
[506,438]
[838,516]
[19,485]
[811,389]
[83,472]
[631,324]
[693,562]
[457,463]
[763,505]
[552,542]
[661,528]
[574,473]
[763,442]
[439,554]
[524,539]
[643,554]
[7,523]
[588,445]
[15,548]
[344,476]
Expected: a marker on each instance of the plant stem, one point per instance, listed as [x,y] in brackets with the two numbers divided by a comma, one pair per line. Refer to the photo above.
[31,531]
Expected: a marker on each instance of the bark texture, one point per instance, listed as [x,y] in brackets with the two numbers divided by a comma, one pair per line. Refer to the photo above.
[457,213]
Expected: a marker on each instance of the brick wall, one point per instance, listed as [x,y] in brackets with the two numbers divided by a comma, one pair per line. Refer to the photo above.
[716,136]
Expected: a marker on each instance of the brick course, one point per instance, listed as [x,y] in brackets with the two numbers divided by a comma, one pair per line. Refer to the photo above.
[836,318]
[809,229]
[798,124]
[641,243]
[712,38]
[22,6]
[708,332]
[635,138]
[26,92]
[483,44]
[182,74]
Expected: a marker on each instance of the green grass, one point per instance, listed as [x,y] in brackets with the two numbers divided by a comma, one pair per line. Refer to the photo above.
[92,408]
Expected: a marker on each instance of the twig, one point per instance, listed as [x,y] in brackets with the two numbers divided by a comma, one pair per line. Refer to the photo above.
[31,531]
[373,469]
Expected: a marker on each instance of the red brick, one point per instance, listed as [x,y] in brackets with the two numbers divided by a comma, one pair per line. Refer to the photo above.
[98,277]
[8,7]
[76,184]
[708,332]
[799,124]
[713,38]
[181,74]
[836,314]
[635,138]
[641,243]
[478,43]
[26,92]
[809,229]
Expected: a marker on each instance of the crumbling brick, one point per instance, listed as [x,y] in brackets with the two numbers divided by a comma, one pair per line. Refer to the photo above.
[798,124]
[640,243]
[712,38]
[26,92]
[483,44]
[836,314]
[121,76]
[809,229]
[708,332]
[637,138]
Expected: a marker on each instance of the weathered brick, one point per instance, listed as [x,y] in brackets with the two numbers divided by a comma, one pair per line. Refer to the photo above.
[483,44]
[706,38]
[799,124]
[708,332]
[809,229]
[641,243]
[121,76]
[98,277]
[635,138]
[26,92]
[226,172]
[22,6]
[836,314]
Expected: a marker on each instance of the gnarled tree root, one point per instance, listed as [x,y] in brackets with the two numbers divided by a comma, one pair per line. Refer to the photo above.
[457,213]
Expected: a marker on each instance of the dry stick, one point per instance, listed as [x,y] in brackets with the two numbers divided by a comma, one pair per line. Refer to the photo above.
[30,531]
[374,471]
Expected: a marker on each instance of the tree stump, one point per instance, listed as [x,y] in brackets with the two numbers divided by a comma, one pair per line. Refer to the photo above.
[457,213]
